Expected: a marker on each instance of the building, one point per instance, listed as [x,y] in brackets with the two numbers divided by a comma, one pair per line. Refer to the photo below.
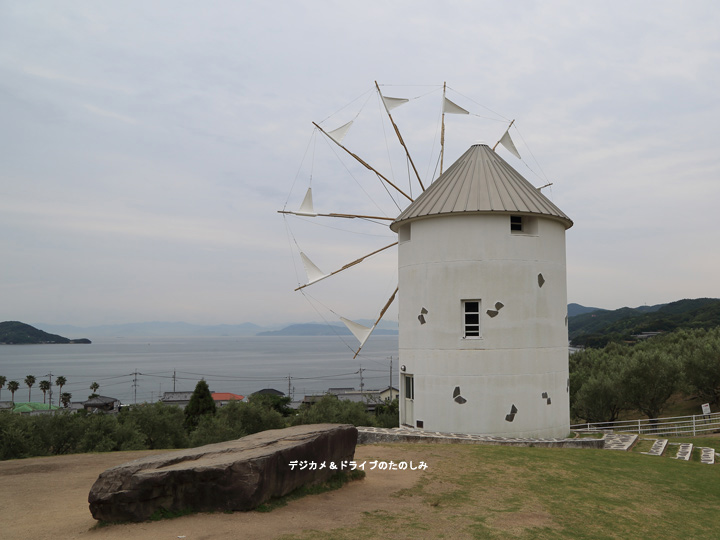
[223,398]
[180,399]
[483,304]
[102,404]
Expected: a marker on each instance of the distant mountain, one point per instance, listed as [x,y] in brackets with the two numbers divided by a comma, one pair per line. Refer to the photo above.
[313,329]
[181,329]
[577,309]
[600,327]
[18,333]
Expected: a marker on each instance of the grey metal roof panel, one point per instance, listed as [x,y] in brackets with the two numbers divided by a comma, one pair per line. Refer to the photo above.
[480,181]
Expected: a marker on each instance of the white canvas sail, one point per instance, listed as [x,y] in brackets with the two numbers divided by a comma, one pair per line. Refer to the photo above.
[392,103]
[451,108]
[507,142]
[338,134]
[314,274]
[306,208]
[358,330]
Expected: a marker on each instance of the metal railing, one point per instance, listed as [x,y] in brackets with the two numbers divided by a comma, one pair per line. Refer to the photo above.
[678,426]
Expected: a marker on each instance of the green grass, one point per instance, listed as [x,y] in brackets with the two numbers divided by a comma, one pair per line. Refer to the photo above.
[539,493]
[336,481]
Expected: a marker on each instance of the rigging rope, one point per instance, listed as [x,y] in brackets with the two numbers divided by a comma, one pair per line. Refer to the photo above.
[297,174]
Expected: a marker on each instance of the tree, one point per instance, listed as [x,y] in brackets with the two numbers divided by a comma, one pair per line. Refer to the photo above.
[595,383]
[279,403]
[94,387]
[13,387]
[331,410]
[201,403]
[65,398]
[3,380]
[649,378]
[60,382]
[44,386]
[702,366]
[29,381]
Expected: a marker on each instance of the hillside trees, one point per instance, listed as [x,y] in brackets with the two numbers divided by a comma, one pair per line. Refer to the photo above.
[643,377]
[650,376]
[595,384]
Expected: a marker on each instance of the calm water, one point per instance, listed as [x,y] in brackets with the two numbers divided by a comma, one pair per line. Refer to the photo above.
[240,365]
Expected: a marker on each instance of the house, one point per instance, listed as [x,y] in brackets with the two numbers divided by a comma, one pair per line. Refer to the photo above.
[102,404]
[32,408]
[179,399]
[483,304]
[269,391]
[223,398]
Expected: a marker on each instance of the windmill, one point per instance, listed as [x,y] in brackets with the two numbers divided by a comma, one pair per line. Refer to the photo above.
[482,289]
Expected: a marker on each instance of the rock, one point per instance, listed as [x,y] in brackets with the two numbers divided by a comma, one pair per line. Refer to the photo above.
[228,476]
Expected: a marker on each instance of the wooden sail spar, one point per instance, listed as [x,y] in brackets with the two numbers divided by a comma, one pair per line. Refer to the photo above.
[397,132]
[365,164]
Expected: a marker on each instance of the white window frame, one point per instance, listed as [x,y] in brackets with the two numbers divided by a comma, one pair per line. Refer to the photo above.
[470,329]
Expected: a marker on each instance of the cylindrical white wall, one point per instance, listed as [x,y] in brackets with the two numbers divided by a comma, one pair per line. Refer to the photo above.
[520,361]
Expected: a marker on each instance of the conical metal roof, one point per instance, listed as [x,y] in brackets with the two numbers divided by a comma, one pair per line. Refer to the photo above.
[482,182]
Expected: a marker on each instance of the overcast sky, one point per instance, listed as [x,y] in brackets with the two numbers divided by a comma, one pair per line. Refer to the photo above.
[145,147]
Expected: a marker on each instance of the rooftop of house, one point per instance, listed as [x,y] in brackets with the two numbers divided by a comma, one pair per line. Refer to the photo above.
[226,396]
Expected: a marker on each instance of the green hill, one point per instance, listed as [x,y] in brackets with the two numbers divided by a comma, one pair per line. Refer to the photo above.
[597,328]
[17,333]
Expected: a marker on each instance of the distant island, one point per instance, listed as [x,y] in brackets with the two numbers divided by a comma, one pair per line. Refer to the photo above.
[17,333]
[312,329]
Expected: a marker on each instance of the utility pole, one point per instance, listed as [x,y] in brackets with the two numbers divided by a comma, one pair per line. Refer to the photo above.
[362,385]
[174,380]
[289,386]
[390,387]
[135,385]
[50,401]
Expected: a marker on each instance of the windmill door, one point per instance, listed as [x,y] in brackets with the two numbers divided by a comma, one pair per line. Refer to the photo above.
[408,384]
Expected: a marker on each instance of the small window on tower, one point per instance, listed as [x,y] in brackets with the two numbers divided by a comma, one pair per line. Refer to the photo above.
[516,223]
[471,318]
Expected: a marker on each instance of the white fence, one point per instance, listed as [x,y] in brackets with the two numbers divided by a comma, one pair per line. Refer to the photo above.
[679,426]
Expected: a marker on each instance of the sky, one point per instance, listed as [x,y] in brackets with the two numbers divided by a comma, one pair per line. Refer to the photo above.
[146,147]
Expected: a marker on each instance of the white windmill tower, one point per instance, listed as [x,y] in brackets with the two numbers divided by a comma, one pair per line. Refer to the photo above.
[482,288]
[483,304]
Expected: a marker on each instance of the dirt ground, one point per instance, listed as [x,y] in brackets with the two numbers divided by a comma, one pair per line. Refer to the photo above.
[46,498]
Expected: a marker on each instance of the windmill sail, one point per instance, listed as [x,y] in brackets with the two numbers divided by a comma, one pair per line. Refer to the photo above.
[392,103]
[362,333]
[451,108]
[306,208]
[338,134]
[314,274]
[507,142]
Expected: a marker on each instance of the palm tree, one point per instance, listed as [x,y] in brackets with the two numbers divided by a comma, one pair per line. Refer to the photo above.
[60,382]
[44,386]
[3,380]
[94,387]
[13,387]
[29,380]
[65,397]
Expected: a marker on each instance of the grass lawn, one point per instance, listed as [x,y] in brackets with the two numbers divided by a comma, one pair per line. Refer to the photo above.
[479,491]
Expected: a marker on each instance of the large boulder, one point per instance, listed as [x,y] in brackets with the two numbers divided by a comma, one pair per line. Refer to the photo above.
[228,476]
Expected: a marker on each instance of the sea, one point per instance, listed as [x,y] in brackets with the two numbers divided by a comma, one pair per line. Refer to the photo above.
[136,370]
